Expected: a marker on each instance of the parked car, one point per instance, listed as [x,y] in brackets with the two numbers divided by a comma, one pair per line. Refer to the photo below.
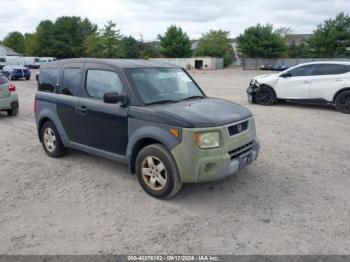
[279,68]
[44,60]
[150,115]
[16,72]
[266,67]
[12,60]
[31,62]
[321,82]
[8,97]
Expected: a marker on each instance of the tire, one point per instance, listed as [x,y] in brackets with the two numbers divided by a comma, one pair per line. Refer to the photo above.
[27,78]
[265,96]
[12,112]
[342,102]
[14,109]
[51,140]
[157,172]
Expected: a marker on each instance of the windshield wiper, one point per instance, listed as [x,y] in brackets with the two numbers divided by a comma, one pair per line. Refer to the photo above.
[163,102]
[193,97]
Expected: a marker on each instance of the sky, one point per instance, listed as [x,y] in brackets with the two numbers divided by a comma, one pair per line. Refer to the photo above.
[151,17]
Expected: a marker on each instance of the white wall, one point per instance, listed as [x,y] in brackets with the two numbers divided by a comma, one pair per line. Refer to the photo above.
[189,63]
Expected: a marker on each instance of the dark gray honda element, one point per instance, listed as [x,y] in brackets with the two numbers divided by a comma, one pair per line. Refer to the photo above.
[149,115]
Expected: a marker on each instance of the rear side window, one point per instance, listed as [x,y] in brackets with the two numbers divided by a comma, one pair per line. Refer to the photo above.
[99,82]
[331,69]
[3,80]
[48,80]
[71,81]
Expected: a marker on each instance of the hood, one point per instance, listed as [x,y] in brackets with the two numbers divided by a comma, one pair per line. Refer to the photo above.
[206,112]
[266,76]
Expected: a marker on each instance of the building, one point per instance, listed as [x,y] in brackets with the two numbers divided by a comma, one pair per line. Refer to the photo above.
[6,51]
[296,39]
[206,63]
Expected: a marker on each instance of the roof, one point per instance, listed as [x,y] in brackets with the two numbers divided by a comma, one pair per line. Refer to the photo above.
[119,63]
[339,62]
[10,51]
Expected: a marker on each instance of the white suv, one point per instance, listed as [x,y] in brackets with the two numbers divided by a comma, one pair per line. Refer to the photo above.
[327,82]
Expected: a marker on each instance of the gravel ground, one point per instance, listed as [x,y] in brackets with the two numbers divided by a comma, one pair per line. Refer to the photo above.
[294,200]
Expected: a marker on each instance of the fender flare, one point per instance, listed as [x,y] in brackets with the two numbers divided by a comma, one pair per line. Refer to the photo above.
[155,133]
[47,115]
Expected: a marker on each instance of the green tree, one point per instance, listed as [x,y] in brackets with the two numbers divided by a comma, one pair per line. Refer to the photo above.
[175,43]
[262,41]
[105,43]
[332,38]
[216,44]
[15,40]
[64,38]
[129,47]
[43,39]
[149,50]
[29,39]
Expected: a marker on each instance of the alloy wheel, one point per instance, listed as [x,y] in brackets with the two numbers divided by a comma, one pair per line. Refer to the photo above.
[49,139]
[154,173]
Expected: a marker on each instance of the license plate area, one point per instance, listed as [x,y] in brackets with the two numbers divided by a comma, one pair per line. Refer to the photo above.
[245,160]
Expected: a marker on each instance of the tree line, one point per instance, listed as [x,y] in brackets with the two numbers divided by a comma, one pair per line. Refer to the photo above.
[72,36]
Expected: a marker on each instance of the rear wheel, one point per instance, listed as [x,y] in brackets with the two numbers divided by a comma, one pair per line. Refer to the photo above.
[265,96]
[342,102]
[157,172]
[51,140]
[12,112]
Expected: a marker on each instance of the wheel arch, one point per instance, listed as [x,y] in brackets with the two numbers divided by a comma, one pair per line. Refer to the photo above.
[145,136]
[269,86]
[338,92]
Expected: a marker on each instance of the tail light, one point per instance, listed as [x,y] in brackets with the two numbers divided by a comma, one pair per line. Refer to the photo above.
[12,88]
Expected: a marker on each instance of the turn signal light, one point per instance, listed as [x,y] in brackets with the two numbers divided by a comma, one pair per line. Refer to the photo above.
[175,132]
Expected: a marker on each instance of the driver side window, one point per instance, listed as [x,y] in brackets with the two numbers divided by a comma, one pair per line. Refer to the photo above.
[307,70]
[99,82]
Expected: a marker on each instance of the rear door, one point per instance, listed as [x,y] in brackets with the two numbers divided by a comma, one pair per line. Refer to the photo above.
[297,86]
[67,101]
[103,126]
[329,78]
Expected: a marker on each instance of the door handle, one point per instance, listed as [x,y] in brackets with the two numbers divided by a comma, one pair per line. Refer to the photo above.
[339,79]
[82,109]
[307,82]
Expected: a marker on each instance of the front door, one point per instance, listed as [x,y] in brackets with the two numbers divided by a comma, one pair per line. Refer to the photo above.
[69,92]
[103,126]
[297,84]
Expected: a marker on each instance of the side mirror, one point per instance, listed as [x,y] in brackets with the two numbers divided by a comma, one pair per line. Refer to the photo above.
[286,75]
[114,98]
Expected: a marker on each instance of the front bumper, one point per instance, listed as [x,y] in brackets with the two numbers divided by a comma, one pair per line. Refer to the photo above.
[202,165]
[252,88]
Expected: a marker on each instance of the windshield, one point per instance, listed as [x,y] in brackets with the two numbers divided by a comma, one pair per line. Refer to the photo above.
[163,84]
[2,60]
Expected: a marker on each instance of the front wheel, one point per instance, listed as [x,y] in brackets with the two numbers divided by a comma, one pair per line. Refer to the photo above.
[157,172]
[342,102]
[265,96]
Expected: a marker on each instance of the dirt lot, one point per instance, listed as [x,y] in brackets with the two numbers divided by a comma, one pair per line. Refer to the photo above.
[294,200]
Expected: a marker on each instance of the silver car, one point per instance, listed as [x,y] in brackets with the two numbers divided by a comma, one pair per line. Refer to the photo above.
[8,97]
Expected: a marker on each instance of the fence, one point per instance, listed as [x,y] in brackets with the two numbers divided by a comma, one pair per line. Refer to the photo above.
[255,63]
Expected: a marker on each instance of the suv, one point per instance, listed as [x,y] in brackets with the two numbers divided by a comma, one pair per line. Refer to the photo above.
[321,82]
[149,115]
[8,97]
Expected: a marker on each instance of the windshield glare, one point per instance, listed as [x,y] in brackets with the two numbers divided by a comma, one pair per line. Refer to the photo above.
[159,84]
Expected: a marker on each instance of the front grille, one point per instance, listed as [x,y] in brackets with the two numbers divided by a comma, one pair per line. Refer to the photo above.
[238,128]
[241,150]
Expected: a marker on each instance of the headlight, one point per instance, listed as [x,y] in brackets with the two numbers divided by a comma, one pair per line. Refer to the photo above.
[207,139]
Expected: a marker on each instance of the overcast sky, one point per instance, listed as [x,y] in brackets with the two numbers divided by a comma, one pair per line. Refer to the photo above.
[150,17]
